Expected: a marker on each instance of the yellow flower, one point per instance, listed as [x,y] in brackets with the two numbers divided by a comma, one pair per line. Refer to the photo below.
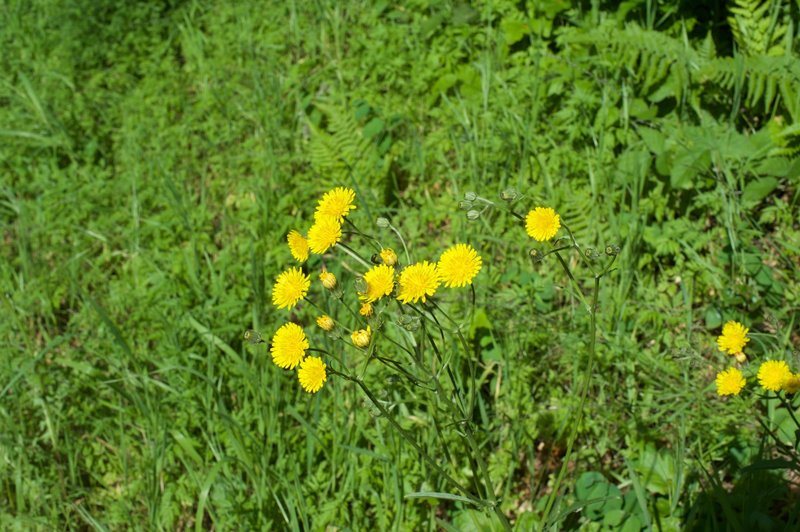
[335,204]
[792,384]
[298,245]
[290,287]
[328,280]
[361,337]
[326,323]
[730,382]
[366,310]
[542,223]
[380,282]
[417,282]
[733,338]
[773,374]
[324,234]
[289,346]
[312,374]
[388,256]
[458,265]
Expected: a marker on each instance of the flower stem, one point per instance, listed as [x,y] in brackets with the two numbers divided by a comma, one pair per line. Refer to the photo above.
[584,393]
[406,436]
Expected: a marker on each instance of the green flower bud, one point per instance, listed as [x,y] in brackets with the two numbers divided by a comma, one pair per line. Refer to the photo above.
[383,223]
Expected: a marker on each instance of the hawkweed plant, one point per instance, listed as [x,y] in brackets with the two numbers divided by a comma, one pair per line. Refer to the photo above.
[384,311]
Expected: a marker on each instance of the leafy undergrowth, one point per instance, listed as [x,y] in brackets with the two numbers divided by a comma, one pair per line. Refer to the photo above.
[155,154]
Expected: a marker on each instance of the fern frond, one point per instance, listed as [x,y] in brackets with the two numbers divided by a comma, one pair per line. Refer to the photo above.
[653,57]
[757,27]
[764,79]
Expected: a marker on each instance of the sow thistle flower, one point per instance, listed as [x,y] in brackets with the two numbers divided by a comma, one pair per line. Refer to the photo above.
[328,280]
[733,338]
[335,204]
[792,384]
[388,256]
[459,265]
[312,374]
[380,282]
[289,346]
[290,287]
[361,337]
[417,282]
[730,382]
[298,246]
[542,223]
[773,374]
[324,234]
[366,310]
[326,323]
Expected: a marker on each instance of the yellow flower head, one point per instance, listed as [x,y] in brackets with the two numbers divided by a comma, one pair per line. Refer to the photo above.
[773,374]
[792,384]
[366,310]
[335,204]
[417,282]
[388,256]
[458,265]
[542,223]
[324,234]
[733,338]
[290,287]
[730,382]
[380,282]
[326,323]
[361,337]
[312,374]
[328,280]
[289,346]
[298,245]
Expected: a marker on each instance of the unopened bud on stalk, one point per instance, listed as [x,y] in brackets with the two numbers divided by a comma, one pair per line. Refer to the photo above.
[473,214]
[383,223]
[252,337]
[361,337]
[360,285]
[388,256]
[326,323]
[409,322]
[464,205]
[470,196]
[612,250]
[509,194]
[741,358]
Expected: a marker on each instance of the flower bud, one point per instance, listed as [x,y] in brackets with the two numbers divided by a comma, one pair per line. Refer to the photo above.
[252,337]
[473,214]
[741,358]
[326,323]
[361,337]
[536,255]
[409,322]
[389,257]
[509,194]
[366,310]
[328,280]
[360,285]
[470,196]
[383,223]
[612,250]
[464,205]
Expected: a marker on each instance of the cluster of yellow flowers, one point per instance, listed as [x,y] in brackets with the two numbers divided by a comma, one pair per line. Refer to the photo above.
[456,268]
[773,375]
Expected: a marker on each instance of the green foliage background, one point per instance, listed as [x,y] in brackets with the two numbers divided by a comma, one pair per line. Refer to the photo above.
[153,155]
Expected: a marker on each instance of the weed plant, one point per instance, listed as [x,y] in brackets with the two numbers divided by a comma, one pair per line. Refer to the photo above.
[155,155]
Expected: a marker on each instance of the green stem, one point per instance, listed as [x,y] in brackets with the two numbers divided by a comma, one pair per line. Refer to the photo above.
[584,393]
[354,254]
[400,430]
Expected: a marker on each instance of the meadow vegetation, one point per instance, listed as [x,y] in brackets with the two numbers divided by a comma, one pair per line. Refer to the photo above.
[154,155]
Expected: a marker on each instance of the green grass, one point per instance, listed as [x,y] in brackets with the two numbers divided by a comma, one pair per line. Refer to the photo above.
[153,156]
